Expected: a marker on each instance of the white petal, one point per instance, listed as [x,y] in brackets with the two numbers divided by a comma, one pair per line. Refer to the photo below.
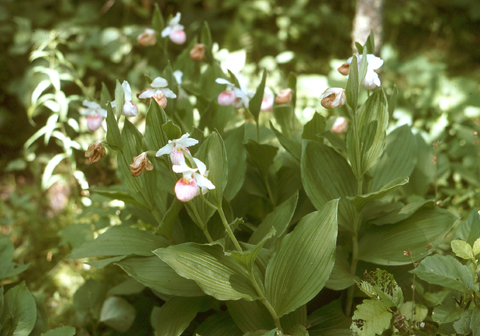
[201,166]
[113,104]
[130,110]
[223,81]
[148,93]
[169,93]
[127,90]
[374,62]
[102,112]
[159,82]
[167,149]
[178,76]
[183,168]
[186,141]
[90,104]
[166,31]
[203,182]
[175,20]
[331,91]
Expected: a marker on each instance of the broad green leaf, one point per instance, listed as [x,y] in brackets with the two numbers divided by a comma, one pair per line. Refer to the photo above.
[292,146]
[303,262]
[285,117]
[279,219]
[114,138]
[20,309]
[398,159]
[462,326]
[154,273]
[157,22]
[236,160]
[249,256]
[328,318]
[118,241]
[62,331]
[445,271]
[414,311]
[469,230]
[419,234]
[89,297]
[361,201]
[315,126]
[8,268]
[272,332]
[476,247]
[298,330]
[340,278]
[102,263]
[171,130]
[424,171]
[402,212]
[117,313]
[261,154]
[256,101]
[174,316]
[381,285]
[128,287]
[115,194]
[462,249]
[291,321]
[168,222]
[351,90]
[154,135]
[326,175]
[371,318]
[219,324]
[250,315]
[335,140]
[366,138]
[119,99]
[105,97]
[218,275]
[475,322]
[448,311]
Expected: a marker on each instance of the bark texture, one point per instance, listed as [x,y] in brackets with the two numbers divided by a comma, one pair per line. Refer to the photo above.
[369,15]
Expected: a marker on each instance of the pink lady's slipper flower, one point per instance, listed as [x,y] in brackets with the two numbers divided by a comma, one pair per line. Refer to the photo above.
[340,125]
[333,97]
[174,30]
[95,115]
[268,99]
[193,182]
[238,97]
[371,79]
[175,147]
[284,97]
[129,109]
[159,92]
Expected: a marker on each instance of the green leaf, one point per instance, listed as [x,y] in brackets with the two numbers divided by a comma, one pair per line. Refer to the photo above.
[291,321]
[381,285]
[476,247]
[328,318]
[120,240]
[303,262]
[218,275]
[236,160]
[326,175]
[402,212]
[370,43]
[462,326]
[340,278]
[250,315]
[315,126]
[102,263]
[114,138]
[168,222]
[157,22]
[154,273]
[351,91]
[89,297]
[398,159]
[445,271]
[335,140]
[219,324]
[279,219]
[256,101]
[105,97]
[174,316]
[448,311]
[424,171]
[462,249]
[20,311]
[262,333]
[62,331]
[171,130]
[298,330]
[8,268]
[117,313]
[119,99]
[469,230]
[261,154]
[371,318]
[292,146]
[128,287]
[366,139]
[155,138]
[361,201]
[285,117]
[418,234]
[362,70]
[475,322]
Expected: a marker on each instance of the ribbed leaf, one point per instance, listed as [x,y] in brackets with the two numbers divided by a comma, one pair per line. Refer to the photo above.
[220,324]
[398,159]
[250,315]
[292,146]
[174,316]
[315,126]
[340,278]
[119,99]
[303,262]
[19,311]
[218,275]
[114,138]
[236,160]
[256,101]
[154,135]
[279,219]
[445,271]
[291,321]
[351,91]
[469,230]
[326,175]
[171,130]
[285,117]
[298,330]
[361,200]
[371,318]
[154,273]
[117,313]
[366,139]
[248,257]
[418,234]
[400,213]
[261,154]
[120,240]
[328,318]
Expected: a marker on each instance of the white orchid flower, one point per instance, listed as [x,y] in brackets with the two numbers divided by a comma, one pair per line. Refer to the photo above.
[95,114]
[267,100]
[178,77]
[233,95]
[174,30]
[371,79]
[129,109]
[176,147]
[333,97]
[159,92]
[193,181]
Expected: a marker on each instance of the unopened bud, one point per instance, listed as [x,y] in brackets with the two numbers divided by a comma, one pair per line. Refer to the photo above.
[344,69]
[198,52]
[139,164]
[340,125]
[95,152]
[333,97]
[147,38]
[284,97]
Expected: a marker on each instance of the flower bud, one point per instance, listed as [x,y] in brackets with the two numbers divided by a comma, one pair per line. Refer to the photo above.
[284,97]
[95,152]
[340,125]
[344,69]
[186,189]
[333,97]
[147,38]
[178,36]
[226,98]
[139,164]
[198,52]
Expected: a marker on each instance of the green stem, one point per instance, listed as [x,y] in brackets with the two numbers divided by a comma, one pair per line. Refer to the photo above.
[228,229]
[258,131]
[200,222]
[207,202]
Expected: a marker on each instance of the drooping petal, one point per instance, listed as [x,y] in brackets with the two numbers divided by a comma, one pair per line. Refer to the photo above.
[176,20]
[371,80]
[178,76]
[374,62]
[223,81]
[202,168]
[167,149]
[183,168]
[186,141]
[127,90]
[159,82]
[169,93]
[166,31]
[203,182]
[90,104]
[147,93]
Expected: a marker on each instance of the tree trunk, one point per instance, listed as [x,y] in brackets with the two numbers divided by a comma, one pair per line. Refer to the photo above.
[369,15]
